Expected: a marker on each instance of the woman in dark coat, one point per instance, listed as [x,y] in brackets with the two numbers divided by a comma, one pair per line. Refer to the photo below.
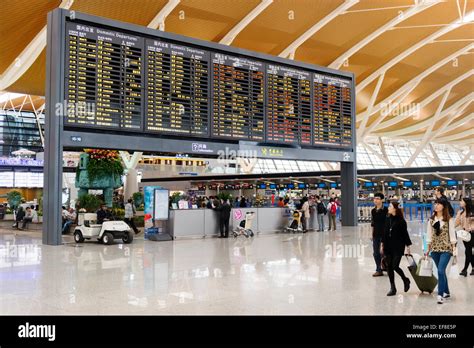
[394,241]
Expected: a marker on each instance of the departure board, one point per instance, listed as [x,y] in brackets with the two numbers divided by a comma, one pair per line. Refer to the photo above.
[238,98]
[288,105]
[157,84]
[104,78]
[332,111]
[177,89]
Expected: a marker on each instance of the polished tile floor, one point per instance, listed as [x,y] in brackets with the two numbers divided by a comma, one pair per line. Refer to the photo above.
[315,273]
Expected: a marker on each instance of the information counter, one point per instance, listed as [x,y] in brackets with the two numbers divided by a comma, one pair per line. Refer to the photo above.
[205,222]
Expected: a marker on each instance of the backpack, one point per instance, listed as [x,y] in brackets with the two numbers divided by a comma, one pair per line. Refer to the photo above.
[333,208]
[321,208]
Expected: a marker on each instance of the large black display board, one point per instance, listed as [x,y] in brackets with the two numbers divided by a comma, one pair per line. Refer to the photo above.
[158,86]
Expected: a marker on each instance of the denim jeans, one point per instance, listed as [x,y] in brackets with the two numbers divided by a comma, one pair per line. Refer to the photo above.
[441,260]
[377,256]
[321,222]
[66,226]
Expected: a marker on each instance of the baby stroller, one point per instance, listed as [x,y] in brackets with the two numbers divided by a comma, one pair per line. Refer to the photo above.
[245,226]
[295,225]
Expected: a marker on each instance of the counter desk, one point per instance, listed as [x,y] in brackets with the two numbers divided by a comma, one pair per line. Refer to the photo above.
[205,222]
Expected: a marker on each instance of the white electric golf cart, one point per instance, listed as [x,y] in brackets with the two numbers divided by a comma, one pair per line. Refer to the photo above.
[88,228]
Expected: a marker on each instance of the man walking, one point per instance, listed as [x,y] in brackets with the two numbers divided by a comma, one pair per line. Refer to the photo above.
[129,214]
[379,215]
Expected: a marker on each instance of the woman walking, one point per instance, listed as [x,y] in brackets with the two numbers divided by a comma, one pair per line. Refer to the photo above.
[465,221]
[394,241]
[441,239]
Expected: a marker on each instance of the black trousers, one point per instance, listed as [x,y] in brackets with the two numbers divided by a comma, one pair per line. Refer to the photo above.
[25,222]
[224,227]
[393,265]
[468,252]
[131,223]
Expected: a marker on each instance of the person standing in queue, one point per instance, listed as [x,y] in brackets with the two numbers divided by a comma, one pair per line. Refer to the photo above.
[394,241]
[306,214]
[321,211]
[224,210]
[465,221]
[439,193]
[441,239]
[379,215]
[332,209]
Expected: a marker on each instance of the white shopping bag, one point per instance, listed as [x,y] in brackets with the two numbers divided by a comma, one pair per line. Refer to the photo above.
[425,267]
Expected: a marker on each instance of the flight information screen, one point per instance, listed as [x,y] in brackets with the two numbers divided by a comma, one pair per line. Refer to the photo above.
[128,81]
[332,110]
[177,93]
[104,77]
[288,105]
[238,98]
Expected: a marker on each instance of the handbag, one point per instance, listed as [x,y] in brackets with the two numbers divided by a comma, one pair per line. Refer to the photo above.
[384,263]
[425,267]
[463,235]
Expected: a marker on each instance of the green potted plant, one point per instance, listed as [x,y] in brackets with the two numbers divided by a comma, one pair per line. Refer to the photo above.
[225,196]
[137,199]
[14,199]
[90,203]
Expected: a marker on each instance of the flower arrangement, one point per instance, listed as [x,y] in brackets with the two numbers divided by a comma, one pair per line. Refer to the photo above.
[103,162]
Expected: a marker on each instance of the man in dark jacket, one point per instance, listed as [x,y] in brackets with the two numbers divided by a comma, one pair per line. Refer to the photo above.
[439,192]
[103,214]
[379,215]
[224,210]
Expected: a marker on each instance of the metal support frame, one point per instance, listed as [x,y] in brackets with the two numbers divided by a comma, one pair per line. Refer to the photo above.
[467,156]
[415,9]
[373,98]
[429,134]
[291,49]
[417,79]
[57,138]
[53,149]
[425,123]
[28,56]
[426,101]
[158,22]
[232,34]
[429,39]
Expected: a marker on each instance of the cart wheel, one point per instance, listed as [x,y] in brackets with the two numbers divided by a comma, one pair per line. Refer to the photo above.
[78,238]
[107,238]
[128,238]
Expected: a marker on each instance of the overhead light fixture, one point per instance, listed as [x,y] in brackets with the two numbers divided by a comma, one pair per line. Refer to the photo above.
[400,178]
[362,179]
[327,180]
[441,177]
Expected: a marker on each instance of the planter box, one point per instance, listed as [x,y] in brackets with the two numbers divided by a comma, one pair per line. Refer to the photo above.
[8,217]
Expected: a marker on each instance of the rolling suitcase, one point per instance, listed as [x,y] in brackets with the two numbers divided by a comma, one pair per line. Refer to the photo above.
[427,284]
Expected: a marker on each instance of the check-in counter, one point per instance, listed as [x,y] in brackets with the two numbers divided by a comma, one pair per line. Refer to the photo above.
[205,222]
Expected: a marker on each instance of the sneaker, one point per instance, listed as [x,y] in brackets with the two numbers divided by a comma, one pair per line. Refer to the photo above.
[472,272]
[463,273]
[446,296]
[377,274]
[440,299]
